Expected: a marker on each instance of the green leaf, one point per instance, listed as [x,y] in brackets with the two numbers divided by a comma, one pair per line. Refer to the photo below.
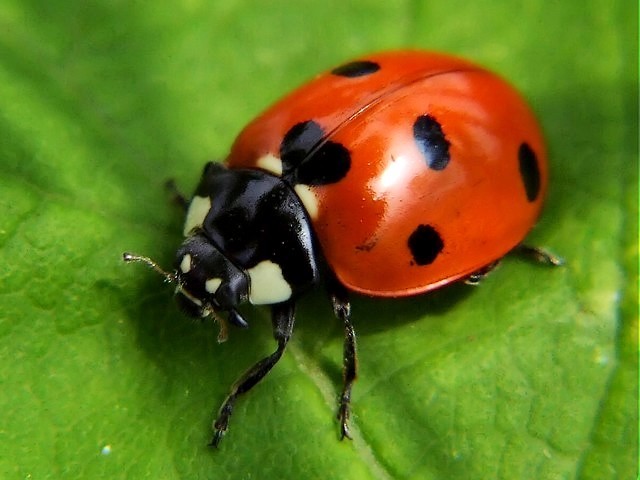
[533,374]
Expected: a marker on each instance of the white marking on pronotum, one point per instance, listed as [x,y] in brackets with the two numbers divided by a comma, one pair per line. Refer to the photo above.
[268,286]
[185,264]
[308,199]
[198,209]
[270,163]
[212,284]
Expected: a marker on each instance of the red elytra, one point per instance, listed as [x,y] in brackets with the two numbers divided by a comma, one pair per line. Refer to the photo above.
[403,219]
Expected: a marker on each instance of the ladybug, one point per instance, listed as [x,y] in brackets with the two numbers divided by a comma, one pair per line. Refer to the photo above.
[389,176]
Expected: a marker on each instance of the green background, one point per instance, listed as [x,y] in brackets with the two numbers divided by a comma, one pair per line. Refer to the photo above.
[531,375]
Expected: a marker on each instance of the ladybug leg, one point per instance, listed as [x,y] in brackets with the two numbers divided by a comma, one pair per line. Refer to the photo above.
[282,318]
[538,254]
[476,277]
[342,310]
[177,196]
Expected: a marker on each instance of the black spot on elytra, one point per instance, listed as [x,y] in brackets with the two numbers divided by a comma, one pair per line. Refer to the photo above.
[359,68]
[299,141]
[309,159]
[425,244]
[529,171]
[431,142]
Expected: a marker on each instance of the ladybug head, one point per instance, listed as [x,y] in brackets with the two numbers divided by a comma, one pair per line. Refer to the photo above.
[207,282]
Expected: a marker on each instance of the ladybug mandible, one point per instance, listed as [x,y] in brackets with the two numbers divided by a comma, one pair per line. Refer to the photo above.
[390,176]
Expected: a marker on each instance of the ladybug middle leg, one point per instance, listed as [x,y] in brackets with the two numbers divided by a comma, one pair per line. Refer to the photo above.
[342,310]
[282,318]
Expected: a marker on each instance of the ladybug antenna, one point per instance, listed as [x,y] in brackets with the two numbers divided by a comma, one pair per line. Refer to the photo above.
[132,257]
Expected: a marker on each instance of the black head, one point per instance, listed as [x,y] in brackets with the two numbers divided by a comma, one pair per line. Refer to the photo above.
[192,295]
[208,282]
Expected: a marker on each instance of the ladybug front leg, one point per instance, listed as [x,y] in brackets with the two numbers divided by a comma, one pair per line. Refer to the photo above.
[282,318]
[342,310]
[177,196]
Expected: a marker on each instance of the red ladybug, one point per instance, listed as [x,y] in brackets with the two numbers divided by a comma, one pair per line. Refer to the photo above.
[391,175]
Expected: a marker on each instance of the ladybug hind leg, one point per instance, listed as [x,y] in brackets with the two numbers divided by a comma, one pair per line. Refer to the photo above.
[282,318]
[539,254]
[476,277]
